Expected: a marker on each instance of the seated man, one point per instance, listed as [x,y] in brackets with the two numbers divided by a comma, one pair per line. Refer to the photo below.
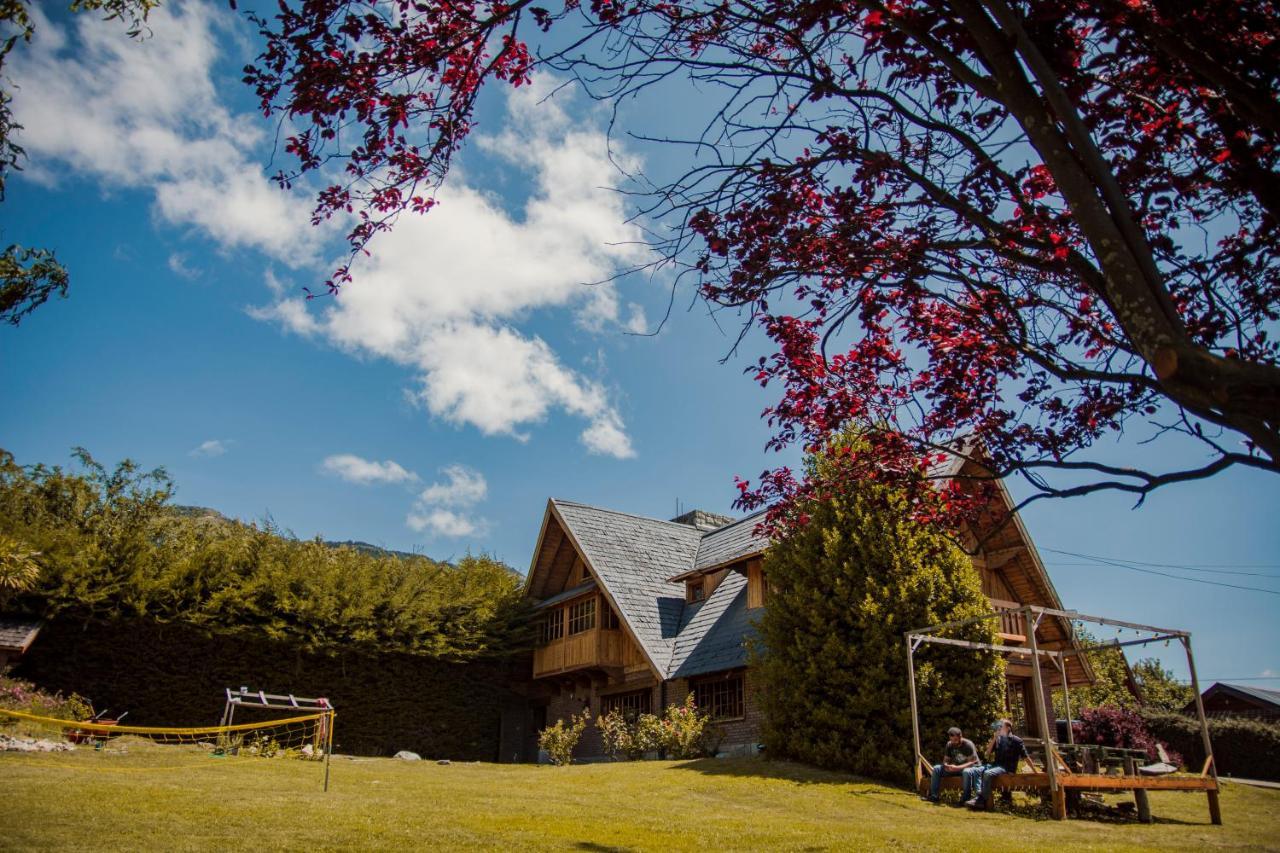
[1006,750]
[958,755]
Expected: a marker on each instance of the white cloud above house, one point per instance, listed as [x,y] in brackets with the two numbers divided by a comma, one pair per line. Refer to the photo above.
[446,296]
[365,472]
[212,448]
[443,294]
[444,508]
[147,114]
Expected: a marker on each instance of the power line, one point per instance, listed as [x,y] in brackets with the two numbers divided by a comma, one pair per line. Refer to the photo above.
[1119,565]
[1209,568]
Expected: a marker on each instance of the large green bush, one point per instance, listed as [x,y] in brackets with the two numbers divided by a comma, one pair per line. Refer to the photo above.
[109,545]
[843,588]
[1249,749]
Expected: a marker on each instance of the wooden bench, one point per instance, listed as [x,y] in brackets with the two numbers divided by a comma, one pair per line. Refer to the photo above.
[1069,782]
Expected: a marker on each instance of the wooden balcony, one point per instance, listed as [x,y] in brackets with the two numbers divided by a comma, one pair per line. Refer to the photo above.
[1013,626]
[596,648]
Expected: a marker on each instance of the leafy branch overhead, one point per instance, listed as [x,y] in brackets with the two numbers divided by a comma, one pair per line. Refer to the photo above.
[28,277]
[1040,224]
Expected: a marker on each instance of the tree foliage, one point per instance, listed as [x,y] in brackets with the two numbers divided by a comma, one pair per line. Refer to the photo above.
[1038,222]
[1145,684]
[110,545]
[845,583]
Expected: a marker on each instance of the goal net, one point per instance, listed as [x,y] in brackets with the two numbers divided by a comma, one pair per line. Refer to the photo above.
[305,736]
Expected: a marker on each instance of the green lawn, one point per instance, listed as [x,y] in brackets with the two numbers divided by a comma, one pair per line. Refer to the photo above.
[174,798]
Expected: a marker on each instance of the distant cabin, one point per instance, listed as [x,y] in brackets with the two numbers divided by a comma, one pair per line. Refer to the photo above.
[1239,700]
[635,613]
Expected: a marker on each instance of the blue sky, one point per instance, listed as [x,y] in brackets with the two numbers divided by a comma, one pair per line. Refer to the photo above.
[468,374]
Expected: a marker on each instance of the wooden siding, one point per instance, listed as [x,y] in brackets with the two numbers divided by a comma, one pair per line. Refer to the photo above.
[594,648]
[755,584]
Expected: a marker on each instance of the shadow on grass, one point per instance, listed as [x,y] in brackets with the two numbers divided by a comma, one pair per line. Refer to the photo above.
[1026,807]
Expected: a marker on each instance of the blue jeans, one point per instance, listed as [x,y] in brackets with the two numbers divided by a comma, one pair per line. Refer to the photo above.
[935,783]
[982,779]
[972,782]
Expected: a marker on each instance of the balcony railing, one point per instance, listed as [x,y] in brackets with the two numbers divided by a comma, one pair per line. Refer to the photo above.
[596,648]
[1013,625]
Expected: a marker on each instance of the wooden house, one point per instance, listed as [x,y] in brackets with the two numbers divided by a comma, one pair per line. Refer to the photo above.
[635,613]
[1239,700]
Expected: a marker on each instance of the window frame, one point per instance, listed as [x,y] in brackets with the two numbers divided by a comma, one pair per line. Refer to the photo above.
[631,710]
[715,691]
[581,616]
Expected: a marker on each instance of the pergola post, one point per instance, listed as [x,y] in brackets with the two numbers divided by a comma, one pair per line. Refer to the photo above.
[1066,698]
[1215,809]
[1057,796]
[915,716]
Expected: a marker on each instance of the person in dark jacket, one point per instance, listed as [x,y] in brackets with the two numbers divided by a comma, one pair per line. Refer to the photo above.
[958,755]
[1006,750]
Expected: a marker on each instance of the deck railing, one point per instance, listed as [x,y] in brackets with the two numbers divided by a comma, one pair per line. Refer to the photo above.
[596,647]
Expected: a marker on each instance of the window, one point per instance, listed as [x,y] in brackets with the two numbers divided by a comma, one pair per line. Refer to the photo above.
[582,616]
[631,705]
[609,619]
[551,627]
[695,590]
[721,698]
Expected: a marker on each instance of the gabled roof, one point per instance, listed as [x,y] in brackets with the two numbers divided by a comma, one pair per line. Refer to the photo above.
[1257,695]
[731,543]
[633,556]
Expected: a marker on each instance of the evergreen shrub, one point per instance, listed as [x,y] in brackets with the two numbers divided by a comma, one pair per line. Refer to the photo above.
[848,575]
[1249,749]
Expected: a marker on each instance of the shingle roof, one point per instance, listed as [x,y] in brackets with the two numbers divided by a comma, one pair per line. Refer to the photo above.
[16,633]
[715,634]
[633,556]
[1258,694]
[730,543]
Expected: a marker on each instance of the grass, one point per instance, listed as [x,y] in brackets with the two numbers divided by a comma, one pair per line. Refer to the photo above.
[172,798]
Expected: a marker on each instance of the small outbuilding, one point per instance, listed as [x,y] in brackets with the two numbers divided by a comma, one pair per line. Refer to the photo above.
[1238,700]
[17,633]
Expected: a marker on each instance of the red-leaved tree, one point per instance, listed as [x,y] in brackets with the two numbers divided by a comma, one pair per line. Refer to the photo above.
[1035,224]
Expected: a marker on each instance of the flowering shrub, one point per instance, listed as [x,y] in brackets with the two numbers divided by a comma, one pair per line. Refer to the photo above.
[560,740]
[683,727]
[629,739]
[19,695]
[681,732]
[1118,727]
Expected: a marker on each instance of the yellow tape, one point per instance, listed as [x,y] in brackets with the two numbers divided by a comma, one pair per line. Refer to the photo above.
[102,728]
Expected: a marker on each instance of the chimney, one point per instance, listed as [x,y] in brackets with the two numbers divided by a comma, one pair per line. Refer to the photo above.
[703,520]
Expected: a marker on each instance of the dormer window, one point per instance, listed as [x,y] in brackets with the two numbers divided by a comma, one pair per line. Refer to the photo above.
[695,590]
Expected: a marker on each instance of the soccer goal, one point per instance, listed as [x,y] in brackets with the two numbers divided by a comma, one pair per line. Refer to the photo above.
[306,733]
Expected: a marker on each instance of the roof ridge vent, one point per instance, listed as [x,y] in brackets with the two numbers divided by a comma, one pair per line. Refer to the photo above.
[703,520]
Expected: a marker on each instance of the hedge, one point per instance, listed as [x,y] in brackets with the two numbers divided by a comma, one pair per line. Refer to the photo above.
[1248,749]
[174,674]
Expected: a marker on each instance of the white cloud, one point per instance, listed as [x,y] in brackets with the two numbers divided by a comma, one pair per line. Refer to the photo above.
[443,522]
[212,447]
[1269,673]
[440,507]
[147,114]
[178,264]
[442,293]
[465,487]
[354,469]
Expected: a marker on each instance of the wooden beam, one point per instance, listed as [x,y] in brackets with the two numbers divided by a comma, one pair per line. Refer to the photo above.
[996,559]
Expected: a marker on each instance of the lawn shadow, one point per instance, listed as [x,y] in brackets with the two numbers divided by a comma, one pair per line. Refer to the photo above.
[1025,807]
[601,848]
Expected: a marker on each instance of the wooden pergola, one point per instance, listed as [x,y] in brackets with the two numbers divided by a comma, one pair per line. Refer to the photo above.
[1056,777]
